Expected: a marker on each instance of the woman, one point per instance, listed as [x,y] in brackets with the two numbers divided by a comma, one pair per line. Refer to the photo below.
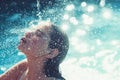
[45,47]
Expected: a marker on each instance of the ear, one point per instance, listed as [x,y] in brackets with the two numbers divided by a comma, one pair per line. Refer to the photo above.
[53,53]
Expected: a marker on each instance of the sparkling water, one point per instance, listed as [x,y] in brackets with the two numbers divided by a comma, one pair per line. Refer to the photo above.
[93,28]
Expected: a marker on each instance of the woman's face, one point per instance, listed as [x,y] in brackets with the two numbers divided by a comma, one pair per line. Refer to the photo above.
[35,42]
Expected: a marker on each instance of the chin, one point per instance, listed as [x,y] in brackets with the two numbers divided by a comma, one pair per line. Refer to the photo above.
[24,49]
[21,48]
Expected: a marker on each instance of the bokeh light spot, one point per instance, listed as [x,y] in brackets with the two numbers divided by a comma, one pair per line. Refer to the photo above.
[83,4]
[70,7]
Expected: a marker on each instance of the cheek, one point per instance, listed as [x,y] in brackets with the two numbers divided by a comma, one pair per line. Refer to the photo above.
[39,43]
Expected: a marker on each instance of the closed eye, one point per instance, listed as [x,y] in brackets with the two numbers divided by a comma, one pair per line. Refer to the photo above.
[39,33]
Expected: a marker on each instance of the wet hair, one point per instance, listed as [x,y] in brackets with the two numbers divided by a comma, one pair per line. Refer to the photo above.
[59,40]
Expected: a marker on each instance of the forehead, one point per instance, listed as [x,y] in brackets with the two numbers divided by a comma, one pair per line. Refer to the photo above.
[44,28]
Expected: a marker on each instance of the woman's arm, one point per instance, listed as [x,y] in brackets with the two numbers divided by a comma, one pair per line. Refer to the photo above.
[14,72]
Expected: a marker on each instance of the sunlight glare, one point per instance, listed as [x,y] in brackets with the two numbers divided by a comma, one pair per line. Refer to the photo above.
[90,8]
[66,17]
[83,4]
[107,14]
[80,32]
[64,27]
[70,7]
[87,19]
[73,20]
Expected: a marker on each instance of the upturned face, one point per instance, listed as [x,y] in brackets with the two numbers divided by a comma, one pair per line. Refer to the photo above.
[35,42]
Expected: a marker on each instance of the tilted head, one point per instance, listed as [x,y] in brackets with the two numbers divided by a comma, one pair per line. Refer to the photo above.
[49,41]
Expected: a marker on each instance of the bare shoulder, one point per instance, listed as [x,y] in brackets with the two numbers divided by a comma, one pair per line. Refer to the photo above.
[14,72]
[22,64]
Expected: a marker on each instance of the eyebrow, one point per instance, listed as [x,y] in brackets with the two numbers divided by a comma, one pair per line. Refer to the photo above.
[40,31]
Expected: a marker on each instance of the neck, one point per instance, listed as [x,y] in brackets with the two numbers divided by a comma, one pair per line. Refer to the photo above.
[36,68]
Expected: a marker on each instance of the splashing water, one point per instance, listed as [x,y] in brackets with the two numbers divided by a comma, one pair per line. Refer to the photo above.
[93,30]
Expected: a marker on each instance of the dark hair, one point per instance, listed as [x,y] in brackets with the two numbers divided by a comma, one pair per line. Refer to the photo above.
[60,41]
